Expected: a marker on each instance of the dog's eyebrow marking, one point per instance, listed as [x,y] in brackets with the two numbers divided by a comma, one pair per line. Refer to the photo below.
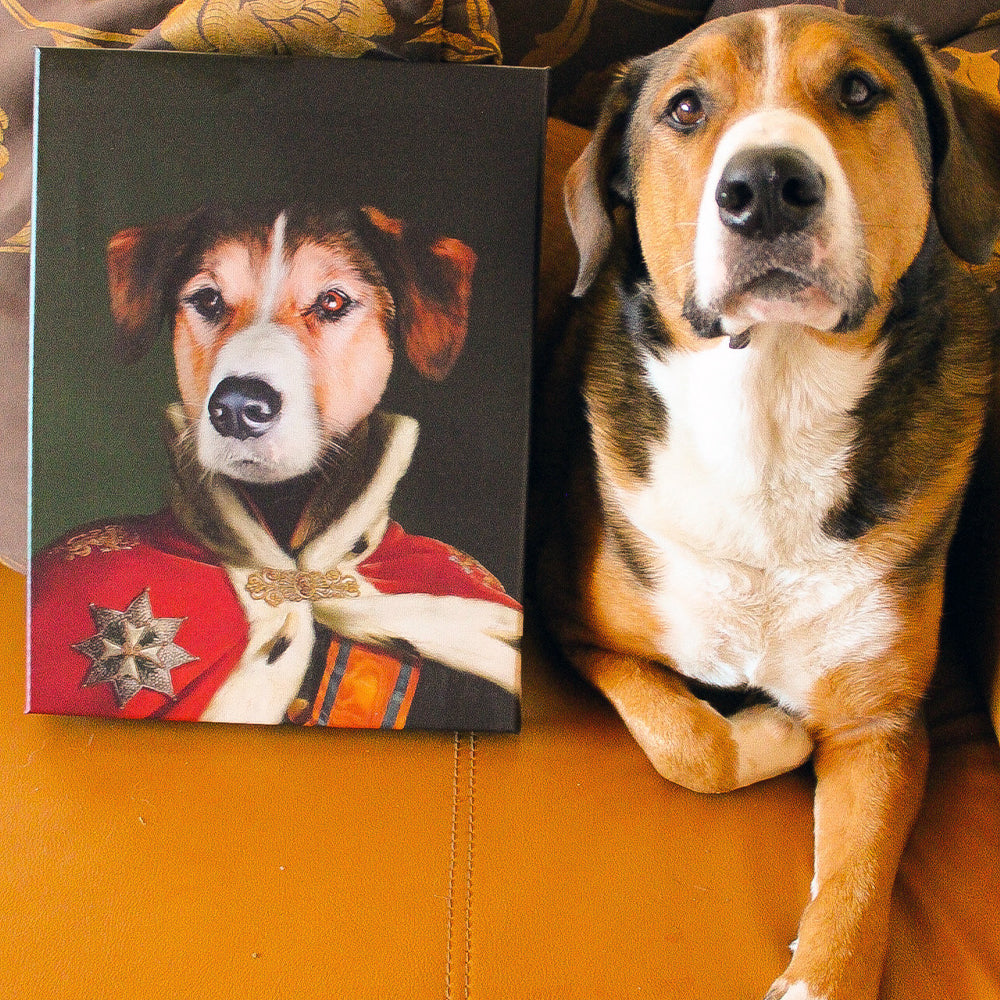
[275,269]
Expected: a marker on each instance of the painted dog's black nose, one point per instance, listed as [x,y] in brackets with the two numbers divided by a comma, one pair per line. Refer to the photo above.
[769,192]
[243,408]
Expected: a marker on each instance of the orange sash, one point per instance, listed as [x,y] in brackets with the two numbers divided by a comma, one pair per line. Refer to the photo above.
[360,688]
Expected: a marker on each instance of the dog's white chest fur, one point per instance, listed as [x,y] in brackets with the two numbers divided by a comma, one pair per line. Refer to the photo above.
[750,590]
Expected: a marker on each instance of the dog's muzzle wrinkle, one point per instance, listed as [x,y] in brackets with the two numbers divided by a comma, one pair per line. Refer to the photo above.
[771,192]
[243,407]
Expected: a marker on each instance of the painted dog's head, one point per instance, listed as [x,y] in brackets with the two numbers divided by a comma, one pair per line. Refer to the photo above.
[286,322]
[783,167]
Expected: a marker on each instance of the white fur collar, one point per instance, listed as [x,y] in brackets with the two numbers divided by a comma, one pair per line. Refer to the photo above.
[477,636]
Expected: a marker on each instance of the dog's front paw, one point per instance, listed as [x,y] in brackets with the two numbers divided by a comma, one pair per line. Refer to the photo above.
[769,742]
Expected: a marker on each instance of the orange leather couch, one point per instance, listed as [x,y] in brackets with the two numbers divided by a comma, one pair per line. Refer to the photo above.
[143,861]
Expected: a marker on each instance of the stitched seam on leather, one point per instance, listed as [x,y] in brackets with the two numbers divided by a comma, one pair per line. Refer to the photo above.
[451,869]
[454,887]
[468,864]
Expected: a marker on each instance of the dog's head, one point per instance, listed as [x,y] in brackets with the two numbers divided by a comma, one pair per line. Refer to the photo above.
[783,166]
[286,323]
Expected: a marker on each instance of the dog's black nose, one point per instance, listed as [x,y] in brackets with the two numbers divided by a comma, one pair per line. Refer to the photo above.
[243,408]
[769,192]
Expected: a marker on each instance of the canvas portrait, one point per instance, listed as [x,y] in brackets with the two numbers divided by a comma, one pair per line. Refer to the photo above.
[281,366]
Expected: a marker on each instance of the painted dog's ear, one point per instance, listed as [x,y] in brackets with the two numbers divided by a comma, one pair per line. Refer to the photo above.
[431,281]
[138,262]
[965,149]
[599,179]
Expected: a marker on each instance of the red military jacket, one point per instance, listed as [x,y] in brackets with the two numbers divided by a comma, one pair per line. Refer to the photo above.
[196,613]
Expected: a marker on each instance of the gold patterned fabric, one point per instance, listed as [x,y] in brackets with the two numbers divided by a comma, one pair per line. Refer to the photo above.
[974,58]
[434,30]
[276,586]
[108,538]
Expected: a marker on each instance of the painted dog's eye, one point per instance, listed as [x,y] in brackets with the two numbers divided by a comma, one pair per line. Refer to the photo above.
[332,304]
[207,303]
[858,91]
[685,111]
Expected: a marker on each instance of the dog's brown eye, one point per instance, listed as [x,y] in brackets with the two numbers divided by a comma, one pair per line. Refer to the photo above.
[685,111]
[858,91]
[207,303]
[331,304]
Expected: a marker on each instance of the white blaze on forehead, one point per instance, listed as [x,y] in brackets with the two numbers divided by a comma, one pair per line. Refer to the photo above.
[773,59]
[276,270]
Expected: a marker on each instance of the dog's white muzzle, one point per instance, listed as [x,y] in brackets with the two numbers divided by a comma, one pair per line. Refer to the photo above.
[779,237]
[259,423]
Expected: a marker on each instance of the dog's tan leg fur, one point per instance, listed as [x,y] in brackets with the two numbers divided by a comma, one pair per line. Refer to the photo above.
[688,742]
[871,764]
[870,783]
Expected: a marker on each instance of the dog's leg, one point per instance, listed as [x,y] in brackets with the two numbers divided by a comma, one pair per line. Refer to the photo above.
[688,742]
[870,784]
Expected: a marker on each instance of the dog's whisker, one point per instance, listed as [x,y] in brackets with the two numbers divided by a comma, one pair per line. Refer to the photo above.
[687,265]
[334,452]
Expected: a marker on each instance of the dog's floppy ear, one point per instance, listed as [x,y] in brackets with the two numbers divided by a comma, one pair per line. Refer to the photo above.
[965,148]
[431,281]
[139,263]
[599,179]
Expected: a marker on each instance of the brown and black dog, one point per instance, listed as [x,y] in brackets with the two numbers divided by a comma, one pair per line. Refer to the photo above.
[779,371]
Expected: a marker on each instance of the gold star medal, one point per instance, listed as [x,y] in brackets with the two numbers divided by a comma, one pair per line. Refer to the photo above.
[133,650]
